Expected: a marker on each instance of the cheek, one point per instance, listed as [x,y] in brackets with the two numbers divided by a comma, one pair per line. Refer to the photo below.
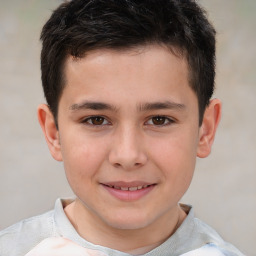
[82,160]
[176,158]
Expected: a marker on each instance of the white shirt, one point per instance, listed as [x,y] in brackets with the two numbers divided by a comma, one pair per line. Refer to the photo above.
[192,238]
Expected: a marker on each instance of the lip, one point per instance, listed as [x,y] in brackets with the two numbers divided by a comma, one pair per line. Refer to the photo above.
[127,184]
[114,189]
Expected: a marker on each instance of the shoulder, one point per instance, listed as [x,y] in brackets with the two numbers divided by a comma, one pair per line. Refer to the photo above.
[209,250]
[22,236]
[196,234]
[214,242]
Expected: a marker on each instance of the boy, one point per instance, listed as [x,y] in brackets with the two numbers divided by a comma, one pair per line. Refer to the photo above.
[128,85]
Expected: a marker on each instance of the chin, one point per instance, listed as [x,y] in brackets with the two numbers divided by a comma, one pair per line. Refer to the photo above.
[127,225]
[128,221]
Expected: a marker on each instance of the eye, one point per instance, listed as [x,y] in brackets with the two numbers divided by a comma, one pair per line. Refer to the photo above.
[96,120]
[159,121]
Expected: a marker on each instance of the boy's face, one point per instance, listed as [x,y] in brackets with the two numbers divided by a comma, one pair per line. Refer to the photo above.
[128,134]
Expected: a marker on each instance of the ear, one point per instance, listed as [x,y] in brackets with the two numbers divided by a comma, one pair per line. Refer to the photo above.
[51,133]
[208,128]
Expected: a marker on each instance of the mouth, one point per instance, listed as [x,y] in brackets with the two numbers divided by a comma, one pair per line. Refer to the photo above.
[130,191]
[134,188]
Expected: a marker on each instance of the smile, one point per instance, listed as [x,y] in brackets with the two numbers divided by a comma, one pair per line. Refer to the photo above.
[128,192]
[129,188]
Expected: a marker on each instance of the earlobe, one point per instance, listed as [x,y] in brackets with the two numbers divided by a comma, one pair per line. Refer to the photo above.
[51,133]
[208,128]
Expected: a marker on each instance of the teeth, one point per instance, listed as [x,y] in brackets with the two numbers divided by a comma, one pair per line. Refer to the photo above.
[129,188]
[133,188]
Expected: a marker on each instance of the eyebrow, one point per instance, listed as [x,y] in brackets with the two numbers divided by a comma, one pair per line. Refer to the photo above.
[142,107]
[93,106]
[161,105]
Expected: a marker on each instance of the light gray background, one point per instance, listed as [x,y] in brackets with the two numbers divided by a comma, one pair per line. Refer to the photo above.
[224,187]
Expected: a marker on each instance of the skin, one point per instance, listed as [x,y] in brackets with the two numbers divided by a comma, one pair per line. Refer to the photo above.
[134,140]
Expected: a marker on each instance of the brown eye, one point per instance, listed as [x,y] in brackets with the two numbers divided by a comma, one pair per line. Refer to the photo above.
[96,120]
[159,120]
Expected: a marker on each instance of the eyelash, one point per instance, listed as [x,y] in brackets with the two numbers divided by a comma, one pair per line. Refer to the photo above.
[89,121]
[103,121]
[167,120]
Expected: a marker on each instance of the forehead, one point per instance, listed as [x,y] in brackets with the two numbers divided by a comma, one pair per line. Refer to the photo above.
[144,57]
[146,72]
[154,52]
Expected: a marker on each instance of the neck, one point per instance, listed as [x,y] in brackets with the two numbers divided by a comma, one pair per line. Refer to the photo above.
[137,241]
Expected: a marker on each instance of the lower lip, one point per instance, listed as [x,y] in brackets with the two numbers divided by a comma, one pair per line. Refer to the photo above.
[127,195]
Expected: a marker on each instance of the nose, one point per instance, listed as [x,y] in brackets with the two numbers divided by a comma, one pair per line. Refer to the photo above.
[127,149]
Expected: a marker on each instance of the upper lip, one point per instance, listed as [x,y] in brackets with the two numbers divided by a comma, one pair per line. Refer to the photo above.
[130,184]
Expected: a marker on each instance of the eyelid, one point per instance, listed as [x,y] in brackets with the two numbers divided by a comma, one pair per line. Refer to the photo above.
[85,121]
[170,120]
[106,122]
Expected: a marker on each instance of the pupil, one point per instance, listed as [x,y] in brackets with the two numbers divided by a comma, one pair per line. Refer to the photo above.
[97,120]
[158,120]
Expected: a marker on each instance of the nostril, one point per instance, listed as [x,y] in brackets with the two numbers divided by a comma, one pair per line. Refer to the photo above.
[127,158]
[117,165]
